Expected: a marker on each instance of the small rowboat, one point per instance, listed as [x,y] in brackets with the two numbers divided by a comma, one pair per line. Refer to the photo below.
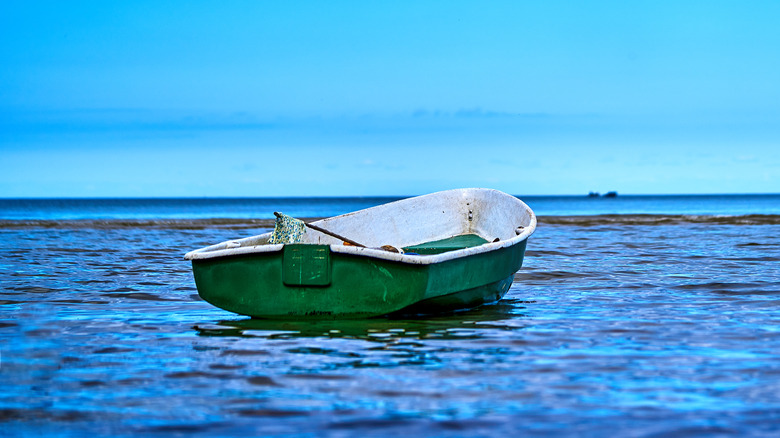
[458,249]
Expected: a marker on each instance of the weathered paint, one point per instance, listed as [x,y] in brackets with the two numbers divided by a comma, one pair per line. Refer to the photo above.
[306,265]
[360,287]
[255,279]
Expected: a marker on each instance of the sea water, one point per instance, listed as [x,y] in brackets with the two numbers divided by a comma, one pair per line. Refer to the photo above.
[632,316]
[263,208]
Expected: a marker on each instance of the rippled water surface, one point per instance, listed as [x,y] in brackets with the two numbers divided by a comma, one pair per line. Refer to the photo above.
[617,328]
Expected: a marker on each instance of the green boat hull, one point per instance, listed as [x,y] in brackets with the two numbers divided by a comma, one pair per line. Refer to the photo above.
[312,281]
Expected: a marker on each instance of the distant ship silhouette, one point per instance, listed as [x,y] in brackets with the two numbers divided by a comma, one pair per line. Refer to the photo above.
[606,195]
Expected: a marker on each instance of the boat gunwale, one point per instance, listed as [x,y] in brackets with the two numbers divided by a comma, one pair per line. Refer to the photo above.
[214,251]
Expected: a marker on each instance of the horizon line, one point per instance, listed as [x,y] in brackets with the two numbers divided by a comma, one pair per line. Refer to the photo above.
[9,198]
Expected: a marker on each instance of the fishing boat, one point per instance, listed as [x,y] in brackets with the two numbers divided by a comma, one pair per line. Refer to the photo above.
[450,250]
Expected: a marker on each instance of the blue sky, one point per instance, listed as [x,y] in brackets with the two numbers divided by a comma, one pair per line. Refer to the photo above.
[253,98]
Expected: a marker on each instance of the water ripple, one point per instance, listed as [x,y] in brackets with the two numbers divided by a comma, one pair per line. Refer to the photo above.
[642,328]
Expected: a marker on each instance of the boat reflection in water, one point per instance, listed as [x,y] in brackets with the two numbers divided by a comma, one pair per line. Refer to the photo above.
[457,325]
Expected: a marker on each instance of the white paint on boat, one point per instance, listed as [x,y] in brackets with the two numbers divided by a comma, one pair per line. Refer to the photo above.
[488,213]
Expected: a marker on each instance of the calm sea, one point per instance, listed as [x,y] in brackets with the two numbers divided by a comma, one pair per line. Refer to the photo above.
[635,316]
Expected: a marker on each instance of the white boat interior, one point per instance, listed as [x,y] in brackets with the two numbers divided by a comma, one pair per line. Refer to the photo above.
[500,219]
